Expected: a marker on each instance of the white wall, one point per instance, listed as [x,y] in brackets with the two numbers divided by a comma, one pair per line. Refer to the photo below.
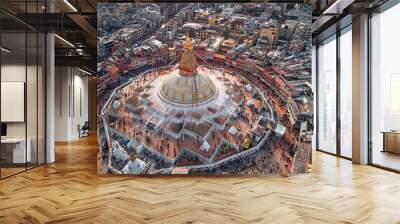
[33,127]
[71,102]
[61,103]
[12,73]
[16,73]
[80,112]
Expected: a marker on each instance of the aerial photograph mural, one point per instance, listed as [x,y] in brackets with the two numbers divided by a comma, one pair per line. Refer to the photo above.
[204,88]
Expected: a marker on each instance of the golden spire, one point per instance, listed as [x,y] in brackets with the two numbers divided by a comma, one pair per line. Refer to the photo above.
[187,44]
[188,64]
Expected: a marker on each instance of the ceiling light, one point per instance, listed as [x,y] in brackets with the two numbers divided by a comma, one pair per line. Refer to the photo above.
[70,5]
[84,71]
[5,50]
[337,7]
[64,40]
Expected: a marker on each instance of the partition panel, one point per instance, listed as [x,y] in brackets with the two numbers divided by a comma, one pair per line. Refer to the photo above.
[22,77]
[13,103]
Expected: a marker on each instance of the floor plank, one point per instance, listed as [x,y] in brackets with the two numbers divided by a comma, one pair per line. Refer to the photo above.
[69,191]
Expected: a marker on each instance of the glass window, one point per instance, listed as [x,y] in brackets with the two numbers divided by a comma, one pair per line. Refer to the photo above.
[327,96]
[346,93]
[22,91]
[385,89]
[13,92]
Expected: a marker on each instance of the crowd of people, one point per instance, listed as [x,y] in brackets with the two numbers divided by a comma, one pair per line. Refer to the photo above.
[187,158]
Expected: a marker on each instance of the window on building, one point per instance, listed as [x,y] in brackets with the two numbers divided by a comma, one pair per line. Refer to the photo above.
[327,95]
[346,92]
[385,89]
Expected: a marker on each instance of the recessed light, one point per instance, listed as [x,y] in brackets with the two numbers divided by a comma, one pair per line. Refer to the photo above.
[5,50]
[64,40]
[84,71]
[337,7]
[70,5]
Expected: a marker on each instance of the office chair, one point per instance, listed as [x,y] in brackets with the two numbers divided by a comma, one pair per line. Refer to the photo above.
[84,130]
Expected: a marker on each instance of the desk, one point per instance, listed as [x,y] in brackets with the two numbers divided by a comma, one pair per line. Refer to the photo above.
[391,141]
[13,150]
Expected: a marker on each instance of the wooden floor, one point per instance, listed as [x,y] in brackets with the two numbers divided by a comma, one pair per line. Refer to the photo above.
[5,172]
[387,159]
[69,191]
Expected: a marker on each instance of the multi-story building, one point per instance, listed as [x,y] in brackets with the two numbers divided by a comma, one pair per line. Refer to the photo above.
[227,45]
[270,35]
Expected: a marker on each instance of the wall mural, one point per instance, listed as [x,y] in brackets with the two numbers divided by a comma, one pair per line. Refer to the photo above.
[204,88]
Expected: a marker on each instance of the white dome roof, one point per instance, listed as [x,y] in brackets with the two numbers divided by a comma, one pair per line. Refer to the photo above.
[181,90]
